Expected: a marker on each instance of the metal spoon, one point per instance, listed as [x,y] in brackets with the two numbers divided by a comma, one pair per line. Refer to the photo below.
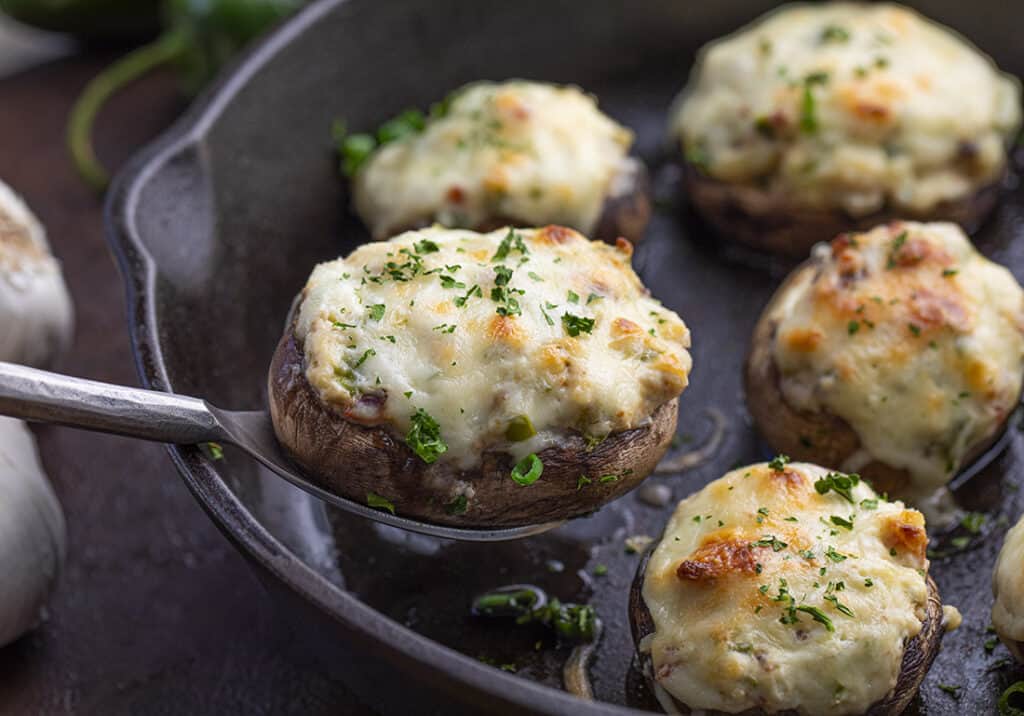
[41,396]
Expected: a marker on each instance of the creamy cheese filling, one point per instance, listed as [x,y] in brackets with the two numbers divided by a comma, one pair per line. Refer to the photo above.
[507,340]
[523,152]
[766,594]
[852,106]
[1008,586]
[912,337]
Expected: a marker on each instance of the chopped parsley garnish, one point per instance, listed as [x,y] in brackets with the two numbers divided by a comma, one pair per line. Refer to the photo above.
[869,582]
[852,327]
[593,297]
[808,114]
[830,596]
[842,522]
[973,521]
[611,478]
[546,316]
[458,505]
[946,273]
[897,244]
[574,325]
[424,437]
[450,282]
[534,276]
[426,246]
[833,555]
[835,33]
[216,451]
[379,503]
[460,301]
[869,504]
[366,354]
[513,241]
[354,149]
[502,275]
[951,689]
[816,78]
[343,326]
[818,616]
[839,483]
[377,311]
[600,570]
[528,470]
[779,462]
[582,481]
[409,122]
[772,541]
[446,328]
[572,297]
[914,328]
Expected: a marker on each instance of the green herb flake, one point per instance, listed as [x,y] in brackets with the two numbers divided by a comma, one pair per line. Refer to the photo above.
[574,325]
[852,327]
[426,246]
[833,555]
[894,249]
[914,328]
[869,504]
[379,503]
[582,481]
[772,541]
[600,570]
[842,522]
[839,483]
[519,428]
[951,689]
[366,354]
[424,437]
[946,273]
[513,241]
[377,311]
[779,462]
[528,470]
[457,506]
[973,522]
[216,451]
[834,33]
[808,112]
[818,616]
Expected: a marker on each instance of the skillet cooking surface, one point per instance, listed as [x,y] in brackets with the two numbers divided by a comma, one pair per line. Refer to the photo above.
[248,201]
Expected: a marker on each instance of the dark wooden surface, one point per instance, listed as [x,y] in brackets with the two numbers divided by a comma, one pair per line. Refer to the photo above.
[155,612]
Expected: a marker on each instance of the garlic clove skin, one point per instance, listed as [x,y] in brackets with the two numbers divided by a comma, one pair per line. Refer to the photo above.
[33,537]
[35,309]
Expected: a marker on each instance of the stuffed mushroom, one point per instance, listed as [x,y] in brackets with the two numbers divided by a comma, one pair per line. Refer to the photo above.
[494,154]
[1008,589]
[477,379]
[822,118]
[786,588]
[897,353]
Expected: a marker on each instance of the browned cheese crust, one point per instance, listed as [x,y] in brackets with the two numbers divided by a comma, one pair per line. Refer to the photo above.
[918,655]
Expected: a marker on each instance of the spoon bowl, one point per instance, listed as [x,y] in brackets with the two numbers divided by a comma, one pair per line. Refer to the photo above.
[41,396]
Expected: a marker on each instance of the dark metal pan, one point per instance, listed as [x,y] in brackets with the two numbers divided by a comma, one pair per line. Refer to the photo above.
[217,225]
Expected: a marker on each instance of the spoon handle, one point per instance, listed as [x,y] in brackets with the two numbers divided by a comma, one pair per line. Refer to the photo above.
[41,396]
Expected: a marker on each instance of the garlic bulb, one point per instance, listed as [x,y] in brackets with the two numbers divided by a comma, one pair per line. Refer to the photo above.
[32,534]
[35,327]
[35,309]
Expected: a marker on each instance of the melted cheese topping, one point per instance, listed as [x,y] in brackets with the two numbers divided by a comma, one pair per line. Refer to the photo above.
[522,152]
[432,320]
[1008,587]
[742,565]
[912,337]
[847,105]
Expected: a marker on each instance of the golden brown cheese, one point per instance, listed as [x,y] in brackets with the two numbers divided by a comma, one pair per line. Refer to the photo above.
[849,105]
[1008,588]
[484,331]
[528,153]
[766,594]
[912,337]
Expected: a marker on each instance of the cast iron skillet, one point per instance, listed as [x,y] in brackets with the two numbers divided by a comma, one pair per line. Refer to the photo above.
[217,225]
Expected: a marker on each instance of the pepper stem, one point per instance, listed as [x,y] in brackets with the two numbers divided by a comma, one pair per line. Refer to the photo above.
[102,87]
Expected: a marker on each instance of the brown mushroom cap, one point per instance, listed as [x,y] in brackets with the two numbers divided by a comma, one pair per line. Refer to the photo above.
[754,217]
[817,437]
[918,653]
[353,460]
